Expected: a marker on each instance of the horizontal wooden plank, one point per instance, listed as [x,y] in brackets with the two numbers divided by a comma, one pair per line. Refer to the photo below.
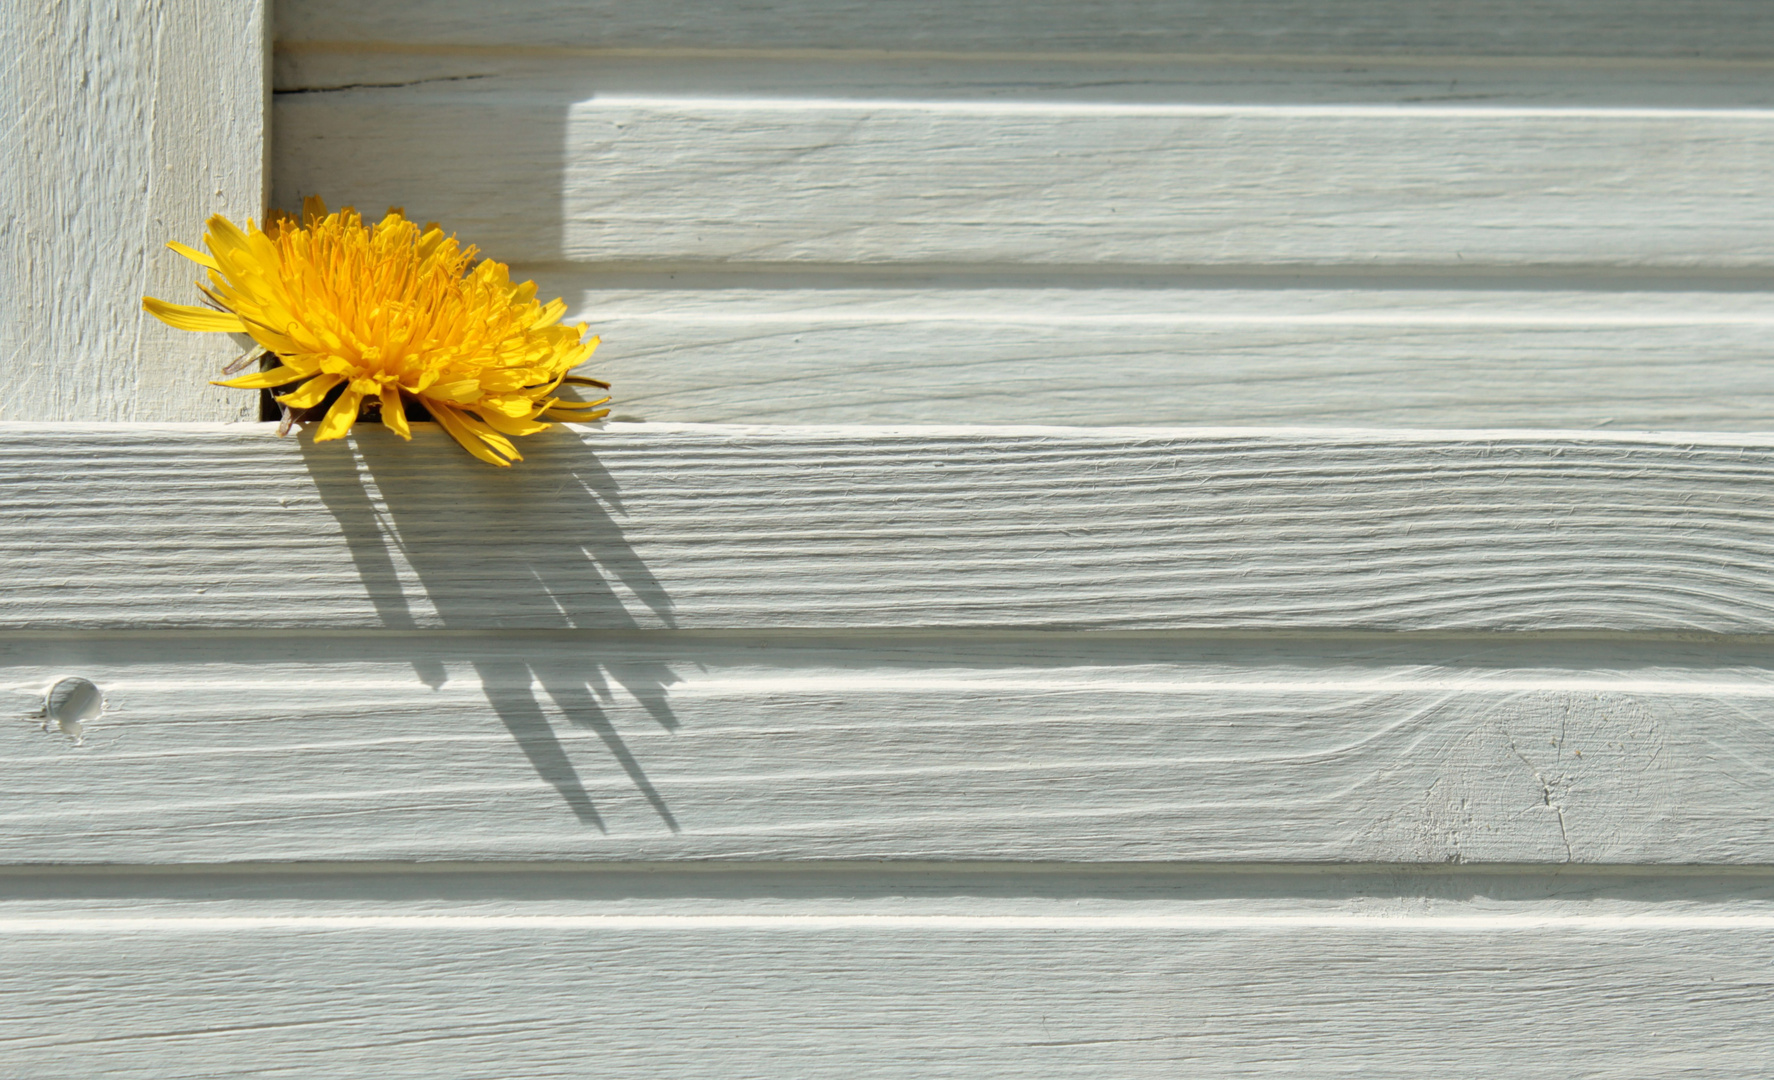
[1090,987]
[1715,29]
[817,182]
[729,527]
[532,170]
[1186,349]
[1055,77]
[666,747]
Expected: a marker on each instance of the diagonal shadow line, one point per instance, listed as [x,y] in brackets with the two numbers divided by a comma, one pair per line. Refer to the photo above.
[578,705]
[490,548]
[366,538]
[507,686]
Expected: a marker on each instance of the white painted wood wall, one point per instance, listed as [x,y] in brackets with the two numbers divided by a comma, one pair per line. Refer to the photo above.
[1251,551]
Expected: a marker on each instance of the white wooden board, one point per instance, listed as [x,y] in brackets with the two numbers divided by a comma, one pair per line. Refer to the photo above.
[126,125]
[1188,349]
[1078,987]
[320,67]
[909,751]
[711,527]
[337,747]
[818,181]
[1698,29]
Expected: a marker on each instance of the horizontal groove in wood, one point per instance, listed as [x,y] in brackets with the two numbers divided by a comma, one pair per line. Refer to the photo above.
[1140,1001]
[1592,286]
[1078,352]
[466,749]
[1432,894]
[1035,641]
[208,923]
[300,51]
[725,528]
[532,171]
[1699,29]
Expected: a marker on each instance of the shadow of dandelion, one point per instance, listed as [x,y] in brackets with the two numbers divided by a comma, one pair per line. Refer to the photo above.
[537,547]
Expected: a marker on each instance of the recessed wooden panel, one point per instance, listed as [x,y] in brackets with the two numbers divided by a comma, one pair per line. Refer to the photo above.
[531,170]
[1529,351]
[1709,29]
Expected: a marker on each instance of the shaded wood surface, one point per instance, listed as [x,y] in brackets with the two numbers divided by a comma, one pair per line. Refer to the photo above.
[1706,30]
[826,180]
[1088,238]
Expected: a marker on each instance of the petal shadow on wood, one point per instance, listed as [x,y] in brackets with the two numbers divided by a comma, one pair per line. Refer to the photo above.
[440,540]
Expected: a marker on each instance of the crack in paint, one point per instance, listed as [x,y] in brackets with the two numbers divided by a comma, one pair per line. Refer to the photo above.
[1545,792]
[375,86]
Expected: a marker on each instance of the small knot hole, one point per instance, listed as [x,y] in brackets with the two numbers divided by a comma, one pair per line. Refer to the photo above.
[71,703]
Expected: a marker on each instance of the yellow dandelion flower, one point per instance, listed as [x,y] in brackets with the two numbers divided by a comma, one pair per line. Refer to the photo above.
[378,316]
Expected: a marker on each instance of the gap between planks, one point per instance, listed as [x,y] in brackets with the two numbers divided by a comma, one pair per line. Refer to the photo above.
[1327,286]
[1411,113]
[886,895]
[1378,61]
[1306,639]
[207,923]
[1559,28]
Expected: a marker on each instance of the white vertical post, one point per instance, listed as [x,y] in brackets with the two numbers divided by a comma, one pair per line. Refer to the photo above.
[126,124]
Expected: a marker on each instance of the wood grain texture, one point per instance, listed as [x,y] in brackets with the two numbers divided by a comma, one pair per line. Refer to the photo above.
[1705,29]
[899,997]
[127,124]
[671,747]
[749,180]
[666,754]
[725,527]
[967,348]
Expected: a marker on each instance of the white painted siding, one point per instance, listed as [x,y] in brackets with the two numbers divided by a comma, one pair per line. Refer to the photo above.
[876,232]
[1256,559]
[555,975]
[126,124]
[1089,748]
[713,528]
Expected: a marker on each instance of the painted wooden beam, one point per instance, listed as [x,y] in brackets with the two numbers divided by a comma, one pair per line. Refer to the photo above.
[711,527]
[127,125]
[537,171]
[1705,29]
[886,987]
[1075,348]
[326,746]
[1379,79]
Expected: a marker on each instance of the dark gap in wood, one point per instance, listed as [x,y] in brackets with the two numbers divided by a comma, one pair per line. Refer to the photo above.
[270,410]
[970,881]
[669,275]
